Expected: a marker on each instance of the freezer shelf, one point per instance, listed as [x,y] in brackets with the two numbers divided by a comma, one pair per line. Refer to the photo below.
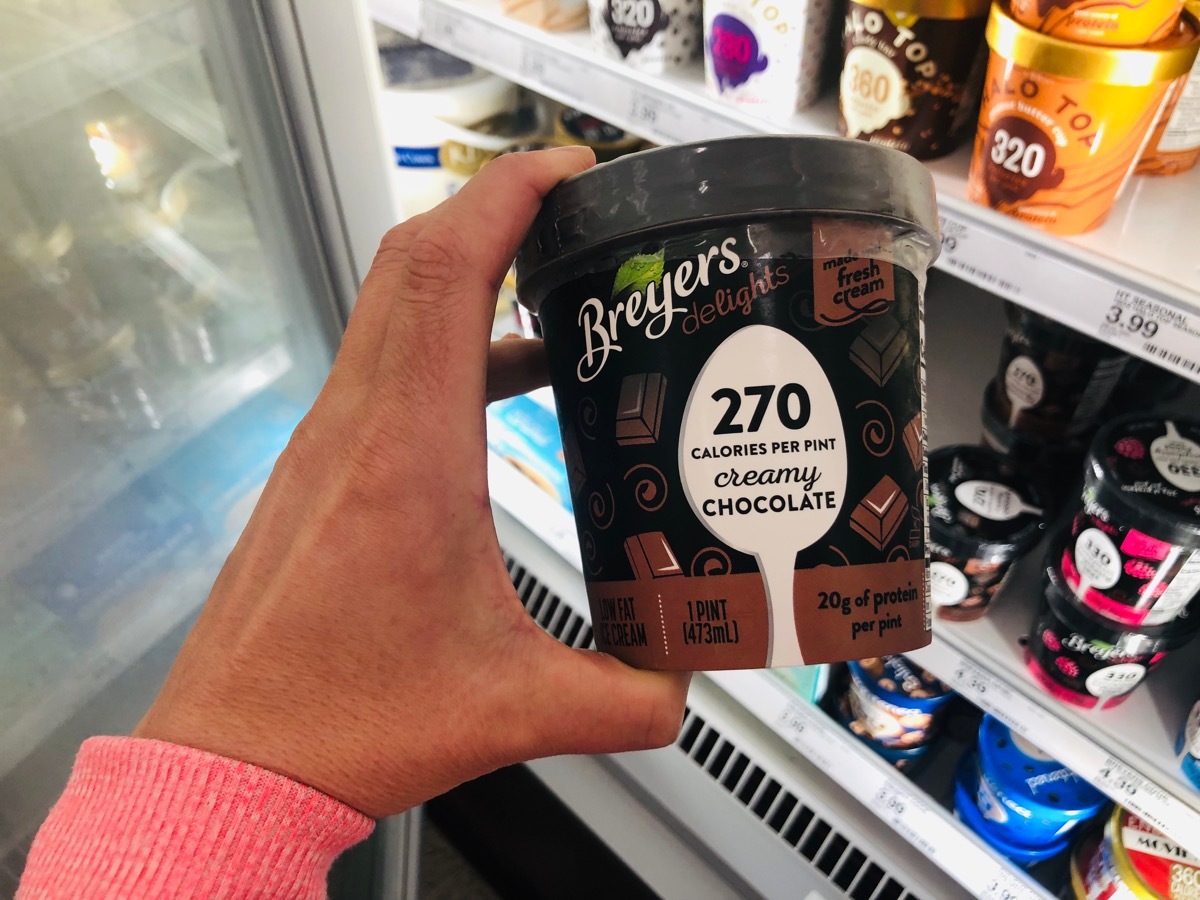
[1138,263]
[1127,751]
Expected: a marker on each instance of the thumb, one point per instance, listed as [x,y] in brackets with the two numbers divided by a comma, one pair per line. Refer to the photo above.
[594,703]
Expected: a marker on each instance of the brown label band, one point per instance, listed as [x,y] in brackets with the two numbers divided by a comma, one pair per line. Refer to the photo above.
[721,621]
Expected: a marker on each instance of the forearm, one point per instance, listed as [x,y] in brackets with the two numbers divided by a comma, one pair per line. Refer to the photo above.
[151,819]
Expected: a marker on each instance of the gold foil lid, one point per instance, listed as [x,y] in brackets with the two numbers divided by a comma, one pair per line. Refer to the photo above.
[932,9]
[1130,879]
[1165,60]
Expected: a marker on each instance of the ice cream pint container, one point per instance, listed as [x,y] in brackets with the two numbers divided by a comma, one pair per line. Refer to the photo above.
[654,36]
[734,339]
[984,513]
[1054,466]
[1134,548]
[1026,794]
[893,702]
[1189,745]
[765,56]
[1134,859]
[1084,659]
[1053,382]
[967,810]
[574,127]
[1109,23]
[912,72]
[1174,145]
[1063,124]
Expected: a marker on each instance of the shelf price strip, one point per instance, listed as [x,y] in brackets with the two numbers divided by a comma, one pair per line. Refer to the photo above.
[1161,332]
[1117,779]
[889,796]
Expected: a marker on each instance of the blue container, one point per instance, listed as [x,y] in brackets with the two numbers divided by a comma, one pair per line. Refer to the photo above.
[965,805]
[905,759]
[1025,795]
[1189,746]
[894,702]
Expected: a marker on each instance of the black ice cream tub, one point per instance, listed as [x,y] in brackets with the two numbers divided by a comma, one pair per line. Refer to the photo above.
[735,346]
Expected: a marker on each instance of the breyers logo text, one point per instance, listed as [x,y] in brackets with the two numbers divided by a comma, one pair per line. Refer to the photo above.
[652,308]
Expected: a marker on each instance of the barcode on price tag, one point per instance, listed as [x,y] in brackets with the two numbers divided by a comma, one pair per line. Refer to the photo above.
[1168,336]
[973,254]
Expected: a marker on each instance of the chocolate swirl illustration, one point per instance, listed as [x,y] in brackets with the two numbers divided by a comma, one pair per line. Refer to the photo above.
[845,561]
[711,561]
[878,433]
[588,543]
[898,552]
[587,417]
[602,511]
[651,488]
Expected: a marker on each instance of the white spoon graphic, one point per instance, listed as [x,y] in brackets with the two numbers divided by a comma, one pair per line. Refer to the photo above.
[762,388]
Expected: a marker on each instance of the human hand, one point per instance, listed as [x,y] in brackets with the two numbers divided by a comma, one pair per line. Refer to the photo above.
[364,636]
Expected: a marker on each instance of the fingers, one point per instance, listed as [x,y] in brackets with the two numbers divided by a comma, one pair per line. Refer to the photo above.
[515,366]
[445,284]
[593,703]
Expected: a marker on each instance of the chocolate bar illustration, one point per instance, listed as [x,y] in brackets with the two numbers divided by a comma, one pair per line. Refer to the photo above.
[912,440]
[573,459]
[878,514]
[639,408]
[651,556]
[879,348]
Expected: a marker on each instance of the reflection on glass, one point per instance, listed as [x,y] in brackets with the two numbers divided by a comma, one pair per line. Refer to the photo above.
[147,377]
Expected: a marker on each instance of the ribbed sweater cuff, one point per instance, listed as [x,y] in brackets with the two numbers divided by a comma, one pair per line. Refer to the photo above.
[147,819]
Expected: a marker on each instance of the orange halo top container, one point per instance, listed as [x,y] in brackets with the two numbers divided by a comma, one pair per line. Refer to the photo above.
[1107,23]
[1062,124]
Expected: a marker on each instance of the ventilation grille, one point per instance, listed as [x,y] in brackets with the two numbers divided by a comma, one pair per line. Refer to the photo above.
[845,865]
[547,609]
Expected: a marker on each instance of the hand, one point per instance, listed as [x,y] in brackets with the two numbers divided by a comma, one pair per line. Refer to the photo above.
[364,636]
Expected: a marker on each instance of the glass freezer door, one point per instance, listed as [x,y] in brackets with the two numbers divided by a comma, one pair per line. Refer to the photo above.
[164,323]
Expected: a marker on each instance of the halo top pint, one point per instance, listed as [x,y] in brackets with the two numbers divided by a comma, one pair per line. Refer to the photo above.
[733,331]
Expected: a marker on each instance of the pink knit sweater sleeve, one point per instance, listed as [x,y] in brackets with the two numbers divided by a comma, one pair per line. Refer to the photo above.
[141,819]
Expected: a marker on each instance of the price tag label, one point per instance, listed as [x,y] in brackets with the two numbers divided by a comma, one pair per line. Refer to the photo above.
[647,112]
[1167,336]
[1003,885]
[892,801]
[554,71]
[979,257]
[805,730]
[1136,793]
[671,121]
[437,26]
[402,15]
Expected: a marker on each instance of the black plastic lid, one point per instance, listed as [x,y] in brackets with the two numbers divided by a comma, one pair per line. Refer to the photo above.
[981,506]
[1048,334]
[1078,616]
[732,179]
[1024,447]
[1145,470]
